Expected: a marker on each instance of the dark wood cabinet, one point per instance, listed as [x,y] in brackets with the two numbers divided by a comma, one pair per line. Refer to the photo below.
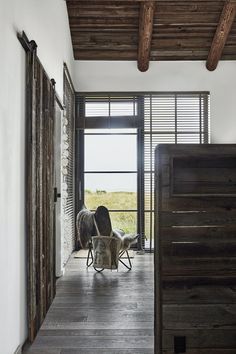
[195,249]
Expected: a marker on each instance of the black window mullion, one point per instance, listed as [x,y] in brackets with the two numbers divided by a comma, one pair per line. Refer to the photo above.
[140,176]
[176,112]
[151,175]
[206,120]
[200,117]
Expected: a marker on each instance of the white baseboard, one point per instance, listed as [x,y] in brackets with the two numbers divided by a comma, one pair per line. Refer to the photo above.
[60,273]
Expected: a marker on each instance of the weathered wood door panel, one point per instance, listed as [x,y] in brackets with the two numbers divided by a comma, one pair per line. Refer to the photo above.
[58,181]
[195,254]
[40,114]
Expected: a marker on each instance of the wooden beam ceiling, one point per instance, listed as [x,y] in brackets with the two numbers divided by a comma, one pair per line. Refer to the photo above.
[223,29]
[182,29]
[118,1]
[146,18]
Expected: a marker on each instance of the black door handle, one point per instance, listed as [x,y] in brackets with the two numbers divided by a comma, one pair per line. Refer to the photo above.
[56,195]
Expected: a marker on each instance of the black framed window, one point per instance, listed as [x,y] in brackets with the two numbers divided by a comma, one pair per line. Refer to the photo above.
[109,171]
[110,174]
[170,118]
[147,118]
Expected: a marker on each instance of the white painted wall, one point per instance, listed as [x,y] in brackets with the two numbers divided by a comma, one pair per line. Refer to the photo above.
[46,22]
[169,76]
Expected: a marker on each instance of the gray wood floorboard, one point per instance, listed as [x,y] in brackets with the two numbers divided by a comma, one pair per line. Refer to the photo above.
[113,342]
[98,325]
[96,332]
[107,351]
[100,313]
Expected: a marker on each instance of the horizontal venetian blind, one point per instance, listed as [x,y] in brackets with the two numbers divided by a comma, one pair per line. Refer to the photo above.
[170,118]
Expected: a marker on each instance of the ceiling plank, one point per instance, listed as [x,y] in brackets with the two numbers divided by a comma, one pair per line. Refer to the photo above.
[118,1]
[146,17]
[224,26]
[182,29]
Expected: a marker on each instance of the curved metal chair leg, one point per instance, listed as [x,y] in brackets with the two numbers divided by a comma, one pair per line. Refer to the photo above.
[129,267]
[90,259]
[98,270]
[90,254]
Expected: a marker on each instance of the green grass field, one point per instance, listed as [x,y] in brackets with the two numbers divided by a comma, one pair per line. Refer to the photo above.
[115,200]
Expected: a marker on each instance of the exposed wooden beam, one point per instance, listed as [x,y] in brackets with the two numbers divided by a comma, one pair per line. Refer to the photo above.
[146,17]
[224,26]
[114,1]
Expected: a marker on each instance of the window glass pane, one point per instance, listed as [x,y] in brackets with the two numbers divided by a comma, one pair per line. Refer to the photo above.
[111,182]
[150,143]
[149,191]
[170,118]
[188,138]
[162,109]
[115,191]
[96,109]
[110,107]
[119,109]
[110,131]
[110,152]
[188,114]
[125,221]
[112,200]
[149,224]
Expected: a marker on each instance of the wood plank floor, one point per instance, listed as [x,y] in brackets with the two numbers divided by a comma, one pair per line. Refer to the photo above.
[100,313]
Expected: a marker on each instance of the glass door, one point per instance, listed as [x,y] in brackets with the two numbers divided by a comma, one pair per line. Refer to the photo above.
[110,174]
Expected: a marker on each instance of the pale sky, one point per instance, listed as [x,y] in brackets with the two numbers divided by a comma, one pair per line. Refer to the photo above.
[111,153]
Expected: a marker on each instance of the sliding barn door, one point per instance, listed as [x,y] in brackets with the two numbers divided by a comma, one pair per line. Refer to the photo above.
[40,103]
